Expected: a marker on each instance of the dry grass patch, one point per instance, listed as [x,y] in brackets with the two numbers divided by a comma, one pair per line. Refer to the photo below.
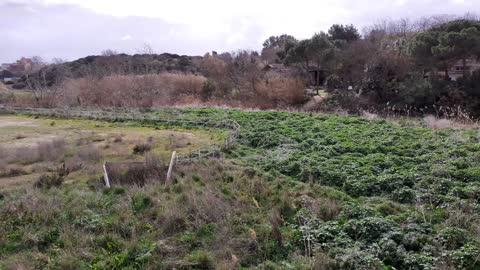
[131,90]
[443,123]
[152,170]
[369,115]
[41,151]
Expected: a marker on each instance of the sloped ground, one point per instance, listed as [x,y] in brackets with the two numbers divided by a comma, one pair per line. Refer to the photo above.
[299,191]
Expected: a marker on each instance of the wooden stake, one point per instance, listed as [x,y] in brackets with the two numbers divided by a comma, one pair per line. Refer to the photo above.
[105,175]
[170,167]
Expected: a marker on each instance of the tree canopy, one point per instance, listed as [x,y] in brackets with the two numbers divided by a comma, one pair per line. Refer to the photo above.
[441,46]
[274,47]
[343,33]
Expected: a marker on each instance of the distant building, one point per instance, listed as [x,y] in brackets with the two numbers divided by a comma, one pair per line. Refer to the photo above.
[316,77]
[25,63]
[19,67]
[456,71]
[280,68]
[10,80]
[5,67]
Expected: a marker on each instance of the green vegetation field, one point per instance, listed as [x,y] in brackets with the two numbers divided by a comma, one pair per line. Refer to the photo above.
[299,191]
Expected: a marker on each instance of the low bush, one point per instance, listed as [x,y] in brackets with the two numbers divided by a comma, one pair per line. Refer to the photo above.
[89,153]
[201,259]
[11,171]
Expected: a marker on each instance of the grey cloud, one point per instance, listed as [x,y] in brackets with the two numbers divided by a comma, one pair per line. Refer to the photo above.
[70,32]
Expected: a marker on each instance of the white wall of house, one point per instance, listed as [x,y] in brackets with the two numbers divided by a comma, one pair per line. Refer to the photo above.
[456,71]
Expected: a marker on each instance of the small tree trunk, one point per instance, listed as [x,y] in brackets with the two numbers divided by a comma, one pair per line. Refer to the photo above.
[464,66]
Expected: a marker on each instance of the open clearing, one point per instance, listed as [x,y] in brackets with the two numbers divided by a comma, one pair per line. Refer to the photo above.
[30,147]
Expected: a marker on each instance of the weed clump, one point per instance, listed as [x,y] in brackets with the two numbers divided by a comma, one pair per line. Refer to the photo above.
[141,202]
[201,259]
[48,181]
[141,148]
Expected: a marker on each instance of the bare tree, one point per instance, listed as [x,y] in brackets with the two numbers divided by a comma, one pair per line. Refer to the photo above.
[42,80]
[109,52]
[38,86]
[58,61]
[145,49]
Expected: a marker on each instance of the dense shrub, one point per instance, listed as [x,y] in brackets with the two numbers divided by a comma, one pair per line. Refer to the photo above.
[282,90]
[131,90]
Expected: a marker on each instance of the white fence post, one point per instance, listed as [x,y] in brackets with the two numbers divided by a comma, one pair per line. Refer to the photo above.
[170,167]
[105,175]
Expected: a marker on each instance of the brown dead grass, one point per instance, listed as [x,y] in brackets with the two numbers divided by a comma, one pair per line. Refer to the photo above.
[131,90]
[281,91]
[48,150]
[369,116]
[167,89]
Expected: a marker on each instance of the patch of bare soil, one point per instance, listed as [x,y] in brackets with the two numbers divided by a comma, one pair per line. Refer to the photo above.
[32,141]
[8,122]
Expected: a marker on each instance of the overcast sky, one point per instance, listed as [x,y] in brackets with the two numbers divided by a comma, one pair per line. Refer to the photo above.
[70,29]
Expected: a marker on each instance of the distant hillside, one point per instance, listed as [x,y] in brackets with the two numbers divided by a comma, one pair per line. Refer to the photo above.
[118,64]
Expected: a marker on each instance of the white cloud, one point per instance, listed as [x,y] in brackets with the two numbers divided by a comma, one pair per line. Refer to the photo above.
[126,37]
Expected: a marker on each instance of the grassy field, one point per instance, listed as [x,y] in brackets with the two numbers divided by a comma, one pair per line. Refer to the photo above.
[33,146]
[299,191]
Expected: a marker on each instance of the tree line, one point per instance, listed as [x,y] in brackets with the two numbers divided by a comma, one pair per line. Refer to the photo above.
[401,65]
[394,64]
